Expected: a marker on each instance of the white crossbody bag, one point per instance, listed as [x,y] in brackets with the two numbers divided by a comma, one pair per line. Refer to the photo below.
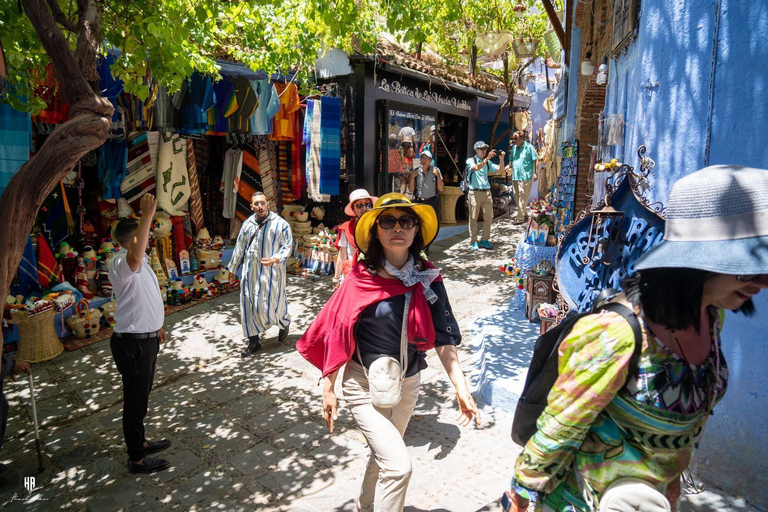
[386,374]
[633,495]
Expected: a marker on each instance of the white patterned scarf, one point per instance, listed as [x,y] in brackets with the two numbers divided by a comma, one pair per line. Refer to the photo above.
[410,275]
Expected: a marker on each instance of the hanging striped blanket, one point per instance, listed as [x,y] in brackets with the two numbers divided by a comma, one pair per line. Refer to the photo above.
[312,138]
[284,173]
[195,198]
[297,171]
[250,182]
[140,174]
[268,178]
[330,145]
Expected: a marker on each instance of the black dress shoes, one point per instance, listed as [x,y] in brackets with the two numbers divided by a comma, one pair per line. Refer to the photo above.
[156,446]
[254,345]
[284,330]
[151,465]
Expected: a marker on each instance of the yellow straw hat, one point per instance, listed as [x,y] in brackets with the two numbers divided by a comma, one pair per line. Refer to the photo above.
[427,219]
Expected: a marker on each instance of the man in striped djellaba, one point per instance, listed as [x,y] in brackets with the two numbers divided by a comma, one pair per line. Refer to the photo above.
[264,244]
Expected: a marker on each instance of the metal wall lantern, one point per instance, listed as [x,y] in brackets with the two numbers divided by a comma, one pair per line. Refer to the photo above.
[604,232]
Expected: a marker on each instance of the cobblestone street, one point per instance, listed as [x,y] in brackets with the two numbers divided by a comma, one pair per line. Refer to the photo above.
[248,434]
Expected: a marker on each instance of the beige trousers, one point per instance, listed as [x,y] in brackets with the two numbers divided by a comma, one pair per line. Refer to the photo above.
[389,465]
[522,191]
[480,200]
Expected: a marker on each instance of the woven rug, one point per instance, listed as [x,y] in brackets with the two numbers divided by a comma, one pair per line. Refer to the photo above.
[71,343]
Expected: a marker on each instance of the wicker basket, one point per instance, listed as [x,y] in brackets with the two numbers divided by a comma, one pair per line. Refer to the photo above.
[37,336]
[448,199]
[553,45]
[85,322]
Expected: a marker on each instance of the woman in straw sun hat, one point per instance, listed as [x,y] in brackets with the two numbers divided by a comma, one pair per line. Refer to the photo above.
[626,430]
[392,298]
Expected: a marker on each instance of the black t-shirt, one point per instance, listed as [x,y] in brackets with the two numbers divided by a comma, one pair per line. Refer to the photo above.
[377,332]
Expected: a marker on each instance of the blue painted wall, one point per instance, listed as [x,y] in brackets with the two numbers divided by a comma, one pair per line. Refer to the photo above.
[710,59]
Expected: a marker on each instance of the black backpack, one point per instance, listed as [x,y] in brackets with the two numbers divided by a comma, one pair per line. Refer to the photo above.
[543,373]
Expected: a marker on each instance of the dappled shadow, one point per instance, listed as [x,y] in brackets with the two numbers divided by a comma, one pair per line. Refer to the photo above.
[244,432]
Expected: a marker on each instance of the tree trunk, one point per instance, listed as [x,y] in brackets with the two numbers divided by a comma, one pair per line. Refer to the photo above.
[87,129]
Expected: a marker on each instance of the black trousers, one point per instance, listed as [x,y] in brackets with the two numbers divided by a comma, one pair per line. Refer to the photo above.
[135,360]
[434,202]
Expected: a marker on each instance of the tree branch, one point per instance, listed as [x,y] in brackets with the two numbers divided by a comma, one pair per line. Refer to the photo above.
[61,18]
[74,86]
[86,51]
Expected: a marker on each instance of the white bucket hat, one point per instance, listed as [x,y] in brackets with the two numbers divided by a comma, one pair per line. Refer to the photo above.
[717,220]
[355,196]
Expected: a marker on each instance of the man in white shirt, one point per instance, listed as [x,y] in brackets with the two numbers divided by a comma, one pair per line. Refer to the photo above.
[137,334]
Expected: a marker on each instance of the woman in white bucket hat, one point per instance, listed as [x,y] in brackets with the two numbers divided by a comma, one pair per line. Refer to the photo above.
[360,201]
[617,435]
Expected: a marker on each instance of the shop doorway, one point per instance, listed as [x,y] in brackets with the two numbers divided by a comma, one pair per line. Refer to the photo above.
[451,147]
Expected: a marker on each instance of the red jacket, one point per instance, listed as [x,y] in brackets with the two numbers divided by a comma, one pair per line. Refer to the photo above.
[348,228]
[330,340]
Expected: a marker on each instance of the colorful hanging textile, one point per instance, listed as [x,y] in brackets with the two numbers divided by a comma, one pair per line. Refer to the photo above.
[250,182]
[312,140]
[110,88]
[297,171]
[166,117]
[268,178]
[140,174]
[287,116]
[269,106]
[224,106]
[48,270]
[330,145]
[172,178]
[55,221]
[195,198]
[196,99]
[284,172]
[179,238]
[113,161]
[15,142]
[28,281]
[55,111]
[230,181]
[245,104]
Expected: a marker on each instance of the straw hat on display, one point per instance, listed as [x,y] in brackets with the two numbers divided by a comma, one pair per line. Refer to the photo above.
[427,219]
[355,196]
[549,104]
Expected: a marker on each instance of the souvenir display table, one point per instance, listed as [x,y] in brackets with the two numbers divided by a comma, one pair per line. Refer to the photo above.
[528,256]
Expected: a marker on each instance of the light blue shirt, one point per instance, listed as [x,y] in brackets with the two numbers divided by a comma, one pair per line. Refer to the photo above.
[478,180]
[268,106]
[523,160]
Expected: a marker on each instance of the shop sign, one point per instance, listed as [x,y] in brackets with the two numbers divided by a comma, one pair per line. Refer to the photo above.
[396,87]
[412,115]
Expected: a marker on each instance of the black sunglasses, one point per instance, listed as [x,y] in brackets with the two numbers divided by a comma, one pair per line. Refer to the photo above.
[388,221]
[364,206]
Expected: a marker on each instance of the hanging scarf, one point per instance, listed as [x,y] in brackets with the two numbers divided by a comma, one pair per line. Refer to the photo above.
[28,280]
[329,342]
[48,269]
[410,276]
